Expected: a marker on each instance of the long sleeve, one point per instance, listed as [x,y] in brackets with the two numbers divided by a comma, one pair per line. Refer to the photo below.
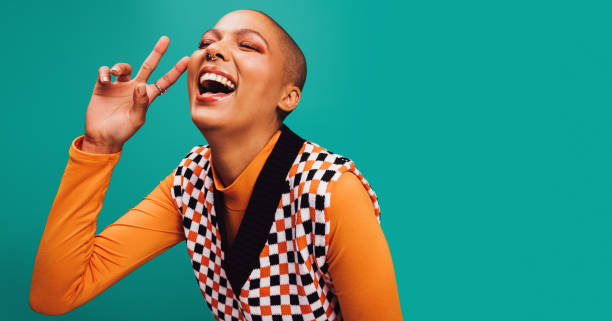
[359,259]
[73,264]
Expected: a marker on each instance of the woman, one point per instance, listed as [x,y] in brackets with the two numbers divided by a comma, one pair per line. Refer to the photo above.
[277,227]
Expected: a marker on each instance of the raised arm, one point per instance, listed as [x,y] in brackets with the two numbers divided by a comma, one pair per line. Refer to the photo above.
[73,265]
[360,262]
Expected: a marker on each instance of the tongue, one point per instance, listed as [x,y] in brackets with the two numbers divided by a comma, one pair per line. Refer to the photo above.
[211,94]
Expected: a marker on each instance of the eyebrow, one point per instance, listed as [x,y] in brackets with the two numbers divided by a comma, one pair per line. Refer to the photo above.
[242,31]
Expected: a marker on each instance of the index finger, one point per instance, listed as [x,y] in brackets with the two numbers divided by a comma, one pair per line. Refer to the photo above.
[151,62]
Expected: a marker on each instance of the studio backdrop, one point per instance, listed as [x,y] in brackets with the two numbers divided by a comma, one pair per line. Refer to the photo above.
[484,127]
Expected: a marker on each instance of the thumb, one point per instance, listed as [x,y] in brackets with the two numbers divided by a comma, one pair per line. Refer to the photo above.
[141,100]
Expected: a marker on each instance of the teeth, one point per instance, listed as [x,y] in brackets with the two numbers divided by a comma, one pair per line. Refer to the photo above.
[218,78]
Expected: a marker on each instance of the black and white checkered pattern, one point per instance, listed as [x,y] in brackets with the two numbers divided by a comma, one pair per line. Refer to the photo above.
[292,280]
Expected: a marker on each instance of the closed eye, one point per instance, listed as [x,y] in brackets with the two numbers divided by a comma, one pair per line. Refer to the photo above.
[248,45]
[204,44]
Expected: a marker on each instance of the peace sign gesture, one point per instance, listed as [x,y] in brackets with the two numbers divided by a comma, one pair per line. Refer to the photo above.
[118,109]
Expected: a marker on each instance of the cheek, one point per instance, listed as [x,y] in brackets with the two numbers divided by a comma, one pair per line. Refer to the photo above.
[193,67]
[260,76]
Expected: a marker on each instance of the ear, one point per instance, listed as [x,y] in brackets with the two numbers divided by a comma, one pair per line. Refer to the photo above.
[290,98]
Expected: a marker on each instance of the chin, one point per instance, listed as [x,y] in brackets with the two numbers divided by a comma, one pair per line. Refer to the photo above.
[206,119]
[212,117]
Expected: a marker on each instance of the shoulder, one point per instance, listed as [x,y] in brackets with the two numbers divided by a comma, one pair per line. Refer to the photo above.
[315,152]
[330,173]
[337,172]
[319,163]
[348,183]
[316,169]
[349,197]
[346,188]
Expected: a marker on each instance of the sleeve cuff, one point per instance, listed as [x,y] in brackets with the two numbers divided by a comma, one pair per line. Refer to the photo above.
[76,152]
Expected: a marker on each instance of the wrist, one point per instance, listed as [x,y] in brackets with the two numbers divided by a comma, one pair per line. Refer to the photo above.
[93,147]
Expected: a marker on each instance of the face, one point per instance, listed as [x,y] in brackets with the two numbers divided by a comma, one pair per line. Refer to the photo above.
[235,76]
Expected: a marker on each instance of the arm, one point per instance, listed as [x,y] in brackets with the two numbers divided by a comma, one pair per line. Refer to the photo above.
[360,263]
[73,265]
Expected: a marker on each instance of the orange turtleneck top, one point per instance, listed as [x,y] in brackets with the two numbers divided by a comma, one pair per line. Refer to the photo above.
[91,263]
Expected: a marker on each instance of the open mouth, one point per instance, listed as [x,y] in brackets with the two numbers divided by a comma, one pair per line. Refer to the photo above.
[213,87]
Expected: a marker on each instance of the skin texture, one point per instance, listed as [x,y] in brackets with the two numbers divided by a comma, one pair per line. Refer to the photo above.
[256,63]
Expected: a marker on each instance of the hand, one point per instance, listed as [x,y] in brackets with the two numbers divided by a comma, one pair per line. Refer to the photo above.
[118,109]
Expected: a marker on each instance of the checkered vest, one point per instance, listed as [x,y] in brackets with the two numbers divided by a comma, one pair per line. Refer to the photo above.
[277,267]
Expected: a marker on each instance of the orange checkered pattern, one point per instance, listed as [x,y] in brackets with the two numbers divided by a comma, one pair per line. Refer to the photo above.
[292,280]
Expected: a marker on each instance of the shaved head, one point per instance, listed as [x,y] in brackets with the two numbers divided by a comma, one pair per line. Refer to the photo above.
[294,62]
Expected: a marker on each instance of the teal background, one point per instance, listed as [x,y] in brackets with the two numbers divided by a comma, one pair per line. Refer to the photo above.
[483,126]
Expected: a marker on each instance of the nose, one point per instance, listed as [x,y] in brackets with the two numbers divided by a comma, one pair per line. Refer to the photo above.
[215,51]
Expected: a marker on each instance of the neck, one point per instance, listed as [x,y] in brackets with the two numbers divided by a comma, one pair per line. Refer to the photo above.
[231,152]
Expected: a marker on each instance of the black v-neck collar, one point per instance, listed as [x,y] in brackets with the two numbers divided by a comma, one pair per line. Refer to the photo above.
[258,218]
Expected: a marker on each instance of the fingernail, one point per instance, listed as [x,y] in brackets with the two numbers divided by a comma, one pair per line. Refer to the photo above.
[115,69]
[105,78]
